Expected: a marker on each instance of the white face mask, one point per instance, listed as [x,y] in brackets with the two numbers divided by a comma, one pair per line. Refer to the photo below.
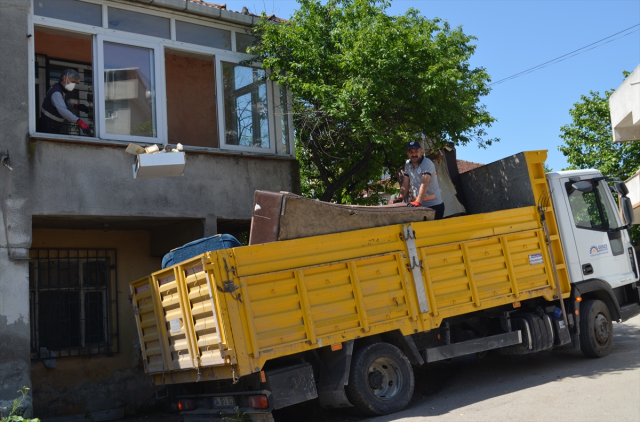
[70,86]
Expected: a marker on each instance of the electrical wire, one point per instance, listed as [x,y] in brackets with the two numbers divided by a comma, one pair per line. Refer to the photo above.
[569,55]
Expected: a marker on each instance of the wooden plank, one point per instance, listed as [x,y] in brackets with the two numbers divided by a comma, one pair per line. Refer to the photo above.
[357,295]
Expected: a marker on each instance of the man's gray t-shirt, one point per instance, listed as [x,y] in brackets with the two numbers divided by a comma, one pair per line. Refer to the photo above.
[426,166]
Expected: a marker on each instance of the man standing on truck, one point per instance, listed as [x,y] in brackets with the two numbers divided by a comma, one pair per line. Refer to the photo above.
[420,176]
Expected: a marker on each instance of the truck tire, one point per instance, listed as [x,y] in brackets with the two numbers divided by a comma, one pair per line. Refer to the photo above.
[380,380]
[596,329]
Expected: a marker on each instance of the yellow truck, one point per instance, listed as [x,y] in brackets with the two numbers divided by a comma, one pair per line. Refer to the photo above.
[540,261]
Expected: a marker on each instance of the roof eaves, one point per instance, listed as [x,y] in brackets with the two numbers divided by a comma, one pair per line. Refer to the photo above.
[209,10]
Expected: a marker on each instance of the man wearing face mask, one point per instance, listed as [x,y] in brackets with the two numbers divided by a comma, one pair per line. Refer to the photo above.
[55,108]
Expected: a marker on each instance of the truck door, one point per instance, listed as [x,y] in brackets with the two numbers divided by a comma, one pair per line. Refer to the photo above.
[601,248]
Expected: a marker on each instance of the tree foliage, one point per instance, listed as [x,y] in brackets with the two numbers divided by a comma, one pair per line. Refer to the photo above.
[588,141]
[364,83]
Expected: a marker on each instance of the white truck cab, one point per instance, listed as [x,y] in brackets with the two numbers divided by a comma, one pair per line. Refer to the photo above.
[595,238]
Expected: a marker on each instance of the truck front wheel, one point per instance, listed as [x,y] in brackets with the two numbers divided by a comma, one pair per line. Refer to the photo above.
[596,329]
[380,381]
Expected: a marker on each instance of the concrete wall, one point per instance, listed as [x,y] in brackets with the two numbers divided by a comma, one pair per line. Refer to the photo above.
[75,181]
[15,200]
[624,105]
[99,383]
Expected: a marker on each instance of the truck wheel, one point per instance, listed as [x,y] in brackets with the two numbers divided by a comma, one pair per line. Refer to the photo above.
[596,329]
[380,381]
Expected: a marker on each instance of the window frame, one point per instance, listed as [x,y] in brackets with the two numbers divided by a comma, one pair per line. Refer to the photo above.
[110,342]
[160,93]
[221,113]
[160,45]
[602,208]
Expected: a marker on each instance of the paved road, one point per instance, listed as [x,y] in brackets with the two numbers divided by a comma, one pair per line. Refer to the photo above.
[556,386]
[561,385]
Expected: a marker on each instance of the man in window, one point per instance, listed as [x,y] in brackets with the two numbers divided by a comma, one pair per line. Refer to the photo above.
[55,108]
[421,179]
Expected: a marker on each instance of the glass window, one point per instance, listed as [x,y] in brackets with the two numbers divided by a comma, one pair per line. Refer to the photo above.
[245,106]
[243,41]
[592,210]
[55,53]
[284,121]
[203,35]
[139,23]
[69,10]
[129,90]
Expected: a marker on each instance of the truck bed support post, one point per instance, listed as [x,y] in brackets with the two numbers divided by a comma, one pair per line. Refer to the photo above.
[547,239]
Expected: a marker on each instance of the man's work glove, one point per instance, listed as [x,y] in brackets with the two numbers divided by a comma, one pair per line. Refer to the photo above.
[83,108]
[397,200]
[82,124]
[413,204]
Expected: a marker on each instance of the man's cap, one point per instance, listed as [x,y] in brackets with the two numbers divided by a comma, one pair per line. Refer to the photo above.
[413,145]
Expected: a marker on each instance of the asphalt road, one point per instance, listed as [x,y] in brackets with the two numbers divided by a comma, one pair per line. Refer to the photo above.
[561,385]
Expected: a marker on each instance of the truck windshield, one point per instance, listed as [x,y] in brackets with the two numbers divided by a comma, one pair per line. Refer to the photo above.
[592,210]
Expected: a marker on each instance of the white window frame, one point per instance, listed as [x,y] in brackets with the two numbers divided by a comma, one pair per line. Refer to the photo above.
[221,113]
[277,119]
[100,33]
[160,94]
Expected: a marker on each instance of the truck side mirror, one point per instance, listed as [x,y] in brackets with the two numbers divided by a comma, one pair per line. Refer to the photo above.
[583,186]
[621,188]
[627,210]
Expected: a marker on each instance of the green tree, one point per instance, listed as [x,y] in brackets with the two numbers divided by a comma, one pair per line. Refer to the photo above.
[364,84]
[588,141]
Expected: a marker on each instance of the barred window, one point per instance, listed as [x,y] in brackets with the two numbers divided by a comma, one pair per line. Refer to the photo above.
[73,302]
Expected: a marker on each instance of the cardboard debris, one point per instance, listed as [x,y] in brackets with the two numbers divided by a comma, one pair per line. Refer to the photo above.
[135,149]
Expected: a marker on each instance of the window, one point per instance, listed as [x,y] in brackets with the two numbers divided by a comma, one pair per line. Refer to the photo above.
[283,114]
[245,106]
[139,23]
[56,51]
[191,99]
[592,210]
[153,77]
[70,10]
[244,41]
[203,35]
[128,83]
[73,302]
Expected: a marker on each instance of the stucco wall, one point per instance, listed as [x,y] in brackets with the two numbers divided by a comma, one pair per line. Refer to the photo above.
[14,198]
[98,383]
[94,180]
[71,179]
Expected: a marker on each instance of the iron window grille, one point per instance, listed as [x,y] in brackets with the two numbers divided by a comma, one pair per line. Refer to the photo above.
[73,302]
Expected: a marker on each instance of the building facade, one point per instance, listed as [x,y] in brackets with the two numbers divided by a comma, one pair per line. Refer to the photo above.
[76,225]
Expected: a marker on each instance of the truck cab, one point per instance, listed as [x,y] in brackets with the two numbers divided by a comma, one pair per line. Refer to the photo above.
[596,242]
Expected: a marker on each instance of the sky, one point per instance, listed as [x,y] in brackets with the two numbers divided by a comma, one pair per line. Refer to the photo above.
[515,35]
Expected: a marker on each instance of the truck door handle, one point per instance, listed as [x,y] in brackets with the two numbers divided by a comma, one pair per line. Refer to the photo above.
[587,269]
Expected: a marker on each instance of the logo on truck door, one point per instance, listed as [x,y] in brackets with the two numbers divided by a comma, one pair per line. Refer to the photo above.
[598,250]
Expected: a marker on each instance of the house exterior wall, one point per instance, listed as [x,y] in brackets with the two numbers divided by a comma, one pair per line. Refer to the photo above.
[76,179]
[97,383]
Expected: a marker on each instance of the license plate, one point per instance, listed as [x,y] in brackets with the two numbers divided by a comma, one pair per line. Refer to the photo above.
[227,401]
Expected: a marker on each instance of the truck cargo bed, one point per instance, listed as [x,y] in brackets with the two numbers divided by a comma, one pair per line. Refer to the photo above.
[225,313]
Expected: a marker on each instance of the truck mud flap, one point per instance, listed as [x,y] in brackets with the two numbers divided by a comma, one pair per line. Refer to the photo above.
[473,346]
